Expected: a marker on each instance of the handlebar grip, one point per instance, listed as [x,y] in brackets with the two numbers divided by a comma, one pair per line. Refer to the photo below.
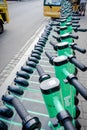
[75,37]
[28,122]
[75,15]
[80,88]
[42,74]
[3,125]
[68,125]
[65,120]
[75,18]
[76,25]
[52,44]
[55,24]
[75,21]
[75,47]
[77,63]
[75,29]
[57,31]
[57,38]
[54,37]
[81,30]
[40,70]
[19,108]
[16,103]
[48,55]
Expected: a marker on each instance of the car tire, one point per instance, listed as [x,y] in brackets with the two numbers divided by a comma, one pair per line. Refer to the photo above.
[1,28]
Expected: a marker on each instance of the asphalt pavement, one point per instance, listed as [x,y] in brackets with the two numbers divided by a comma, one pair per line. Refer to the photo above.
[22,26]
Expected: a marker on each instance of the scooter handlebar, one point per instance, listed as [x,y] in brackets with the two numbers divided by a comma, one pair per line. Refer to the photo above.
[68,125]
[80,88]
[65,120]
[17,105]
[75,37]
[76,25]
[24,115]
[57,31]
[75,15]
[54,45]
[77,63]
[40,70]
[31,123]
[75,21]
[55,24]
[75,18]
[75,47]
[51,43]
[19,108]
[80,29]
[48,55]
[57,38]
[42,74]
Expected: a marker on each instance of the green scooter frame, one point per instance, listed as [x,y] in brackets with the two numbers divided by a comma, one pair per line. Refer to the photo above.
[64,49]
[68,92]
[51,93]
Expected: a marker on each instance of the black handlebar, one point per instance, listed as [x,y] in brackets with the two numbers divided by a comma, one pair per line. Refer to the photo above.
[80,88]
[75,47]
[80,29]
[75,18]
[42,74]
[57,31]
[3,125]
[17,105]
[40,70]
[75,37]
[55,24]
[64,36]
[75,15]
[57,38]
[54,45]
[68,125]
[77,63]
[75,21]
[29,123]
[48,54]
[65,120]
[19,108]
[50,57]
[76,25]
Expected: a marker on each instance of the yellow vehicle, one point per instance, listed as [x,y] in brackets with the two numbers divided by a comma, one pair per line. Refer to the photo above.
[4,17]
[52,8]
